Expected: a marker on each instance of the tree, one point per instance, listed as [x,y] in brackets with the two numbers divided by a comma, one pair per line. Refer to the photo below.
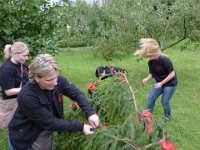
[34,22]
[118,25]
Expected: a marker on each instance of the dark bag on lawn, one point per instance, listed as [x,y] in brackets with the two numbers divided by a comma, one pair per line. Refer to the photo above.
[7,110]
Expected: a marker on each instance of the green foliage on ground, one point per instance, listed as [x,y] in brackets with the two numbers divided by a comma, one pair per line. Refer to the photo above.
[120,126]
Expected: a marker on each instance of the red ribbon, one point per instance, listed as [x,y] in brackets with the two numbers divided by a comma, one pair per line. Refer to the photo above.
[122,76]
[148,122]
[167,145]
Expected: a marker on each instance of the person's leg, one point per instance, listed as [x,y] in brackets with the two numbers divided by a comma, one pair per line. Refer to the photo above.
[154,94]
[44,141]
[10,145]
[52,138]
[166,97]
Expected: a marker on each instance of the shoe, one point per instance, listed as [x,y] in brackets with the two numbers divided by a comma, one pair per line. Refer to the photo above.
[168,119]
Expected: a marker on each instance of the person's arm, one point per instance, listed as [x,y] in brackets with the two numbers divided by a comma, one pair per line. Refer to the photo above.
[149,77]
[70,90]
[9,82]
[167,63]
[13,91]
[75,94]
[30,105]
[168,78]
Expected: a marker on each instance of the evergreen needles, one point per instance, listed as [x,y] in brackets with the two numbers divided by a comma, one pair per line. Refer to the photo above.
[120,128]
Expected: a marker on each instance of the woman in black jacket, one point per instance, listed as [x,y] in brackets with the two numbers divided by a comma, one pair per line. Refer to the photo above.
[40,108]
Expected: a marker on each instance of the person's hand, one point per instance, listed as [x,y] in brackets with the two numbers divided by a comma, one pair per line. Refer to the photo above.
[158,85]
[145,80]
[87,129]
[94,120]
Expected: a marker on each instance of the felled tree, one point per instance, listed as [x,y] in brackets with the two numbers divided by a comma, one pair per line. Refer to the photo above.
[123,126]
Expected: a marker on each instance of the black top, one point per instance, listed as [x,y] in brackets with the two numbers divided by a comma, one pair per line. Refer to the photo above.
[40,110]
[109,71]
[11,77]
[161,68]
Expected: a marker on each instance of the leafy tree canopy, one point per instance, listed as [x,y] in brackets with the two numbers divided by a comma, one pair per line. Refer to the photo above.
[112,27]
[34,22]
[118,25]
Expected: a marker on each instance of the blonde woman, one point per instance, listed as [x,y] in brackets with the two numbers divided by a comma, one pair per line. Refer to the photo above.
[40,108]
[162,70]
[14,72]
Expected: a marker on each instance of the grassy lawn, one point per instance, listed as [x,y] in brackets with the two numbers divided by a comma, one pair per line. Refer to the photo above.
[79,67]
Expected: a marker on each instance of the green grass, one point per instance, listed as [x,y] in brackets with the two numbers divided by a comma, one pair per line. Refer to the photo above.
[79,66]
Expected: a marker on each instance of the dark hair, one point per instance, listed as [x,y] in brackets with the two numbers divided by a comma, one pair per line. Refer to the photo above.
[99,71]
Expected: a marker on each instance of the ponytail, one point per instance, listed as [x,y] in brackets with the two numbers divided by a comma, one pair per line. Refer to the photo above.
[7,52]
[17,47]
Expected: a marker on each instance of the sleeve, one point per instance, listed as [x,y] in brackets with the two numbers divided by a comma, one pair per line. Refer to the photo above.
[167,64]
[7,80]
[71,91]
[149,65]
[42,117]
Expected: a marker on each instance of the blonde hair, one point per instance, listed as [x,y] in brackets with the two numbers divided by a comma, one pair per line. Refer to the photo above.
[41,65]
[17,47]
[148,44]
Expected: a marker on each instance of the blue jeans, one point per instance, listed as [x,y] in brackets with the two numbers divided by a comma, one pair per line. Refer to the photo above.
[167,93]
[10,145]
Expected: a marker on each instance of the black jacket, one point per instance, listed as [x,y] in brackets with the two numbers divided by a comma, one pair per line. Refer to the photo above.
[40,110]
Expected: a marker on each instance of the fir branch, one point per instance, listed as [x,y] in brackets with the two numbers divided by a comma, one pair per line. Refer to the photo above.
[134,100]
[127,141]
[153,144]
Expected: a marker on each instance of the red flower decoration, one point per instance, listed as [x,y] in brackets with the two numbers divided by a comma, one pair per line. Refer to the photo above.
[148,117]
[167,145]
[91,87]
[74,105]
[122,76]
